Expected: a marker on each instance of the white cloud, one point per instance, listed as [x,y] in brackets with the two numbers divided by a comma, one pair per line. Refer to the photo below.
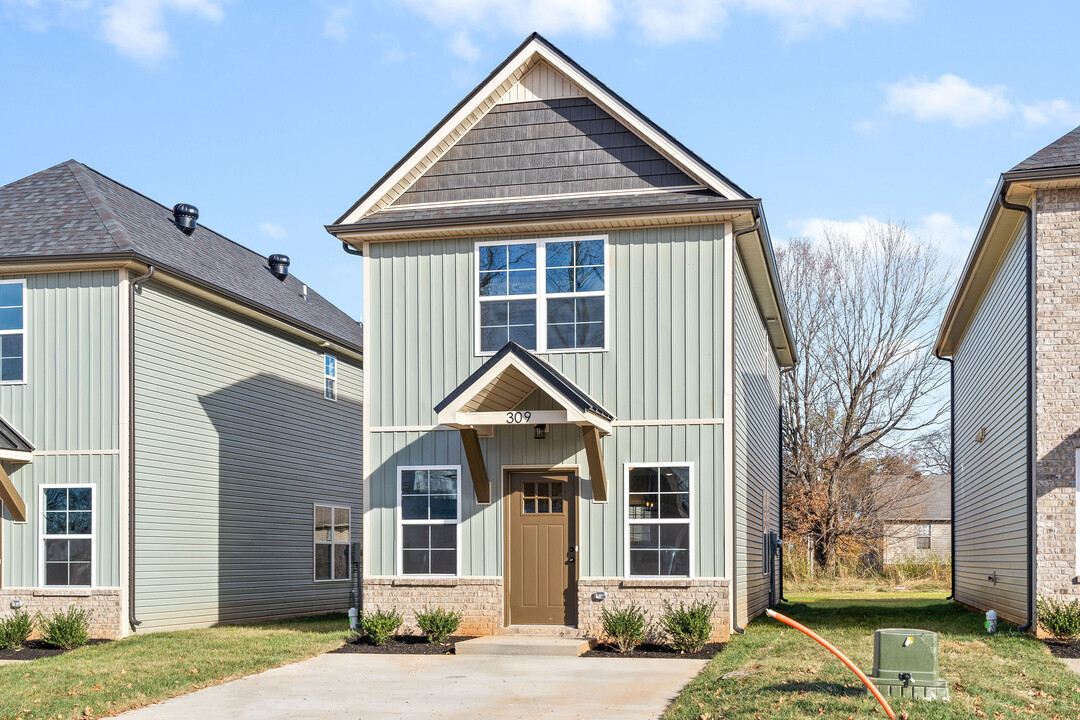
[40,15]
[948,98]
[336,26]
[463,47]
[800,17]
[675,20]
[1050,112]
[274,232]
[950,237]
[136,28]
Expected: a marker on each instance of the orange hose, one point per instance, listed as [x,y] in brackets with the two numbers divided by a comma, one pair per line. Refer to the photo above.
[843,658]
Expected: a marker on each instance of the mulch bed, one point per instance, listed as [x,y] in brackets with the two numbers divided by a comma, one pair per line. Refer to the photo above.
[35,649]
[403,645]
[1063,648]
[655,651]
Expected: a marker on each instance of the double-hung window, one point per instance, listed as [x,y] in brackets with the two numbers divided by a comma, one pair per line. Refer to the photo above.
[658,521]
[547,295]
[12,331]
[332,537]
[429,515]
[330,377]
[922,537]
[67,535]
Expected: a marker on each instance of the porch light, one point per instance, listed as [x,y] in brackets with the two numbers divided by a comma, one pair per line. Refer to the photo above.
[540,431]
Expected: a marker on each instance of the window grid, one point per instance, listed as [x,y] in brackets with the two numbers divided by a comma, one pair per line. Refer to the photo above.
[665,518]
[429,520]
[332,538]
[588,327]
[330,377]
[67,549]
[12,332]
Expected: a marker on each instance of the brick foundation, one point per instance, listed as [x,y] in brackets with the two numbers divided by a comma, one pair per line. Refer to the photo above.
[478,599]
[104,605]
[651,595]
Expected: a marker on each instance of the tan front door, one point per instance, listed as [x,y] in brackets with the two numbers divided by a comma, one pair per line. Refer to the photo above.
[542,574]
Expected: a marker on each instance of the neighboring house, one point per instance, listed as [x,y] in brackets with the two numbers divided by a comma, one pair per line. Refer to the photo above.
[1011,330]
[917,522]
[575,331]
[180,440]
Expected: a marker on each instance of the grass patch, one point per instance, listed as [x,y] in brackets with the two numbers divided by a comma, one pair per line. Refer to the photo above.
[1002,676]
[100,680]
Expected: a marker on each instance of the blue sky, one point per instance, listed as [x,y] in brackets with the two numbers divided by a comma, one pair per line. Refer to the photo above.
[273,117]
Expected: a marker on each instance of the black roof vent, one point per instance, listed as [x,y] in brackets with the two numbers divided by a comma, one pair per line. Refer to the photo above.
[279,265]
[184,216]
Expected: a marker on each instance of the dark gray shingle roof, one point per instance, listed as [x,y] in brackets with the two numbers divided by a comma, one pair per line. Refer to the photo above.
[1063,152]
[12,439]
[924,497]
[73,210]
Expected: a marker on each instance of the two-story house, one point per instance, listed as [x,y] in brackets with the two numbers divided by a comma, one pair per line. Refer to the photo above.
[574,331]
[179,417]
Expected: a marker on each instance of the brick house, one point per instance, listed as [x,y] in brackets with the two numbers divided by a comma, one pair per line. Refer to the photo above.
[1012,333]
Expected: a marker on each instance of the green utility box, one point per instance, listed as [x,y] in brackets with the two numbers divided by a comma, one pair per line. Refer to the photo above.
[906,665]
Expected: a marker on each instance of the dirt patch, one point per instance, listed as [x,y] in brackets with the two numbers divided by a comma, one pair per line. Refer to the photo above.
[35,649]
[655,651]
[1068,649]
[403,645]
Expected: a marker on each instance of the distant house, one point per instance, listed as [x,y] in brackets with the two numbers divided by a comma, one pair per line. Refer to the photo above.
[179,426]
[1012,330]
[575,331]
[917,519]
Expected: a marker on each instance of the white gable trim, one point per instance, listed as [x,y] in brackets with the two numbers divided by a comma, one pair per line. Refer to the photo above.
[488,95]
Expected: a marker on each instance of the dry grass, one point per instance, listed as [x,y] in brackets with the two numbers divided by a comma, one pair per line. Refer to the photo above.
[103,680]
[1002,676]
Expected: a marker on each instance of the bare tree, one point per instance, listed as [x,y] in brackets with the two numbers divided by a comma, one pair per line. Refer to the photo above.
[933,449]
[863,312]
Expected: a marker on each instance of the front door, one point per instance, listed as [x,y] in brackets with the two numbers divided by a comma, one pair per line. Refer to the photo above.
[542,574]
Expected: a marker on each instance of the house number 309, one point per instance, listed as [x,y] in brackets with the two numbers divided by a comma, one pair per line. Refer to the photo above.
[518,417]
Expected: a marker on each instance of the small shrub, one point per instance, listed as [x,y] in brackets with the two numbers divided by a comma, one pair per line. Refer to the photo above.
[379,625]
[624,627]
[688,628]
[67,629]
[438,623]
[15,630]
[1059,618]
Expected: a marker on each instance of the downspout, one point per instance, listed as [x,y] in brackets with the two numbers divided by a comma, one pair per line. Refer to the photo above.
[734,585]
[132,286]
[350,249]
[780,479]
[952,474]
[1031,429]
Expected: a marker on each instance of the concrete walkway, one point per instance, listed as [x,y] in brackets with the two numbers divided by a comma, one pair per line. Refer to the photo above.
[441,686]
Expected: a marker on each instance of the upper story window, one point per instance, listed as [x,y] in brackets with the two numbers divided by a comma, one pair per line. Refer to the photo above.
[546,295]
[330,377]
[67,535]
[12,331]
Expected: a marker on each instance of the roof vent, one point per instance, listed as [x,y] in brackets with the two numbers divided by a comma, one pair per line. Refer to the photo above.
[184,216]
[279,265]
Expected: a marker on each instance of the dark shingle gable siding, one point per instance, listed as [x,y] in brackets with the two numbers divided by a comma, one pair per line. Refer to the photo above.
[543,148]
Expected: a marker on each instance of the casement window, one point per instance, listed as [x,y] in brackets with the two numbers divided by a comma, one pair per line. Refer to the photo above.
[922,537]
[12,331]
[330,377]
[67,535]
[546,295]
[658,520]
[333,533]
[429,515]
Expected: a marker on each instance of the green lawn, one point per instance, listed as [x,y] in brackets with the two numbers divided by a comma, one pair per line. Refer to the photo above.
[101,680]
[1002,676]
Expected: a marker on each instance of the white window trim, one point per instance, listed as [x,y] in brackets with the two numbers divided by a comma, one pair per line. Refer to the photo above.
[42,536]
[399,522]
[22,332]
[541,295]
[315,543]
[328,376]
[627,522]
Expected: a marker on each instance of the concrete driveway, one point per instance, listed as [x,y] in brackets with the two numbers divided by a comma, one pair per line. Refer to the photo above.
[440,686]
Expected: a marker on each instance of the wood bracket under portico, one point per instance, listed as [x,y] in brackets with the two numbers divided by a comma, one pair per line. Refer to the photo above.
[491,396]
[14,448]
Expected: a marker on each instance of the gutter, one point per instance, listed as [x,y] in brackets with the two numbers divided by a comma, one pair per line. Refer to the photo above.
[780,477]
[1031,429]
[132,286]
[952,474]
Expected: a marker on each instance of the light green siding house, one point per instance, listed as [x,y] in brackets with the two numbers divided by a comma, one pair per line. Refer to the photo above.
[575,332]
[179,427]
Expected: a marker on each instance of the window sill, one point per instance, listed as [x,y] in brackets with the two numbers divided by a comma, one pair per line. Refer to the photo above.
[675,582]
[425,582]
[63,592]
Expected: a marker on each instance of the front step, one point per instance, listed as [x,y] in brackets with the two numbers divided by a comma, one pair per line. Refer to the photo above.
[525,646]
[559,631]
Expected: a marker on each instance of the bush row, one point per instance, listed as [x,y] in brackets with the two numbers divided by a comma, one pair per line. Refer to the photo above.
[67,629]
[437,624]
[1060,618]
[685,628]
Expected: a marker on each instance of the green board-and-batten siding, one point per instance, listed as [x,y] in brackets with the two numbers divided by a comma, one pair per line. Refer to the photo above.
[990,510]
[234,445]
[69,404]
